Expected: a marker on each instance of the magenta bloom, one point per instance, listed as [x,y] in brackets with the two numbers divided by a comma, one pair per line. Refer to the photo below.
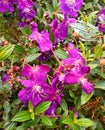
[73,70]
[35,86]
[6,5]
[25,4]
[60,30]
[87,86]
[26,12]
[70,7]
[36,89]
[36,72]
[101,20]
[43,39]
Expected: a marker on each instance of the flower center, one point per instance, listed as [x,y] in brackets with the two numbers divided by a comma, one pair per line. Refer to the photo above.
[70,1]
[37,88]
[26,10]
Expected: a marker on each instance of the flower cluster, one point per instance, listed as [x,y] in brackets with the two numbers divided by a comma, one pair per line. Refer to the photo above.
[70,7]
[26,12]
[36,88]
[6,5]
[73,70]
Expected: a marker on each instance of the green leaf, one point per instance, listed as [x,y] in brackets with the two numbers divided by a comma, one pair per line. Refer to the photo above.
[98,51]
[22,116]
[84,122]
[92,66]
[21,127]
[64,105]
[85,97]
[61,54]
[11,126]
[100,126]
[99,73]
[58,111]
[32,57]
[19,49]
[63,117]
[42,107]
[68,121]
[30,106]
[47,121]
[82,30]
[31,123]
[6,106]
[100,84]
[6,51]
[82,46]
[26,31]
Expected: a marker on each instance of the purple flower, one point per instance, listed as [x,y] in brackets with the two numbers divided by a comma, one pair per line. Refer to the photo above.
[6,5]
[87,86]
[26,12]
[25,3]
[5,78]
[36,73]
[60,30]
[43,39]
[36,92]
[100,21]
[70,7]
[36,89]
[73,69]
